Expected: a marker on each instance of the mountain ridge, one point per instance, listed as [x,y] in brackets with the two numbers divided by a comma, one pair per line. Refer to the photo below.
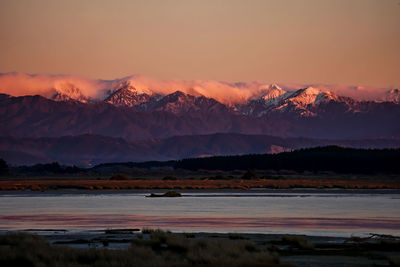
[269,99]
[183,114]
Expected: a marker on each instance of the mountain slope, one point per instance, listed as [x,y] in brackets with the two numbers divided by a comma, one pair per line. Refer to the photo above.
[302,103]
[127,96]
[70,93]
[36,116]
[181,103]
[87,150]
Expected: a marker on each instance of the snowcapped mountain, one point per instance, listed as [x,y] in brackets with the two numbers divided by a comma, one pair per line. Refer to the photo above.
[302,102]
[268,97]
[251,99]
[137,108]
[70,87]
[69,92]
[269,93]
[309,96]
[183,114]
[127,95]
[268,100]
[393,96]
[176,102]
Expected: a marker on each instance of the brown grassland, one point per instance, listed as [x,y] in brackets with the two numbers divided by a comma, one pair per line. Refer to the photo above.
[43,185]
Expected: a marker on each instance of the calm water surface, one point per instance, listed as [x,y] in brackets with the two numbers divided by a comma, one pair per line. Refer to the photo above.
[298,213]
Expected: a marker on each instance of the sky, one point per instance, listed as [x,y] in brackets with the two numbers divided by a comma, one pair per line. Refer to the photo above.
[353,42]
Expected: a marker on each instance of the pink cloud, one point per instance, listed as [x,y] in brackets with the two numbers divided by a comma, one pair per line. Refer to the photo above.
[18,84]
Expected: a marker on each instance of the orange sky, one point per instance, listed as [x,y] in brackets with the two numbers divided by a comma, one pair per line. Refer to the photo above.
[299,41]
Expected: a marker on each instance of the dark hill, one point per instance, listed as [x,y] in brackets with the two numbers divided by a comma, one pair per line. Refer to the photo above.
[88,150]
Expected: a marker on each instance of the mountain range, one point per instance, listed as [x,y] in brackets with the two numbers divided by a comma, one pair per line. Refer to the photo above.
[137,118]
[126,112]
[268,99]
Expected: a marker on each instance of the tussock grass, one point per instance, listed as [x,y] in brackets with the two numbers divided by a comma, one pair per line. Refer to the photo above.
[159,249]
[206,251]
[154,247]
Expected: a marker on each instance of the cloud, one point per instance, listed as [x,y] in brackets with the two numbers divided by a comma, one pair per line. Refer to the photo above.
[18,84]
[360,92]
[224,92]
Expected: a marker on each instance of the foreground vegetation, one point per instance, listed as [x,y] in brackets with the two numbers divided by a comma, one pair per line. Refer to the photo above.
[160,248]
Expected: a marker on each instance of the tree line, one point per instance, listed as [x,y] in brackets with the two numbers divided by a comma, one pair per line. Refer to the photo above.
[319,159]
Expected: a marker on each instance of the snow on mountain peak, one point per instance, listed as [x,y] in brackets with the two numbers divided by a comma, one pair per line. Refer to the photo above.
[310,95]
[269,92]
[69,92]
[127,95]
[228,93]
[309,92]
[125,85]
[272,98]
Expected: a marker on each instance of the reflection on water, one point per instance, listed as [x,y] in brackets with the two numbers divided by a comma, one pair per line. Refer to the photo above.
[318,214]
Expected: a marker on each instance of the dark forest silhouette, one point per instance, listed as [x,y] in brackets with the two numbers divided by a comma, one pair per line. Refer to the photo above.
[330,158]
[320,159]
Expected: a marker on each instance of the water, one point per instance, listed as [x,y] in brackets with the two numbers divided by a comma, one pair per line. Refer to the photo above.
[257,212]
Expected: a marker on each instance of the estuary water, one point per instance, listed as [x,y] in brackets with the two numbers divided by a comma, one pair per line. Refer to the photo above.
[321,214]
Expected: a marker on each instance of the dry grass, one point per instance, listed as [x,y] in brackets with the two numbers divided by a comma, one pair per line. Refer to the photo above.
[206,251]
[42,185]
[159,249]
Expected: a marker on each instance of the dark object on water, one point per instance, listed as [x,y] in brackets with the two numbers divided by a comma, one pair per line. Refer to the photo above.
[168,194]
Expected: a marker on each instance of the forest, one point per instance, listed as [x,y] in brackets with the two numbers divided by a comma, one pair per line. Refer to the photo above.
[319,159]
